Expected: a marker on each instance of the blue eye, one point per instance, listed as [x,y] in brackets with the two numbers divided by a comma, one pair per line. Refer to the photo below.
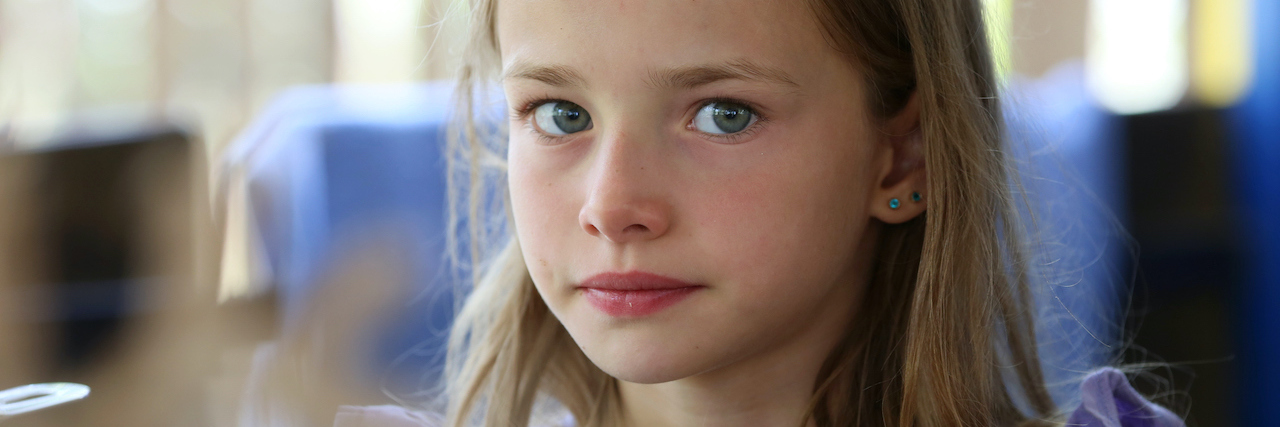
[561,118]
[723,117]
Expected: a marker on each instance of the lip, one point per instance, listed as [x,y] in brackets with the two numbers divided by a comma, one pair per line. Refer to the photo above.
[634,294]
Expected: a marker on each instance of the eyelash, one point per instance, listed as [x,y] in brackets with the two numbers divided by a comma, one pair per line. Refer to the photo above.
[524,112]
[523,115]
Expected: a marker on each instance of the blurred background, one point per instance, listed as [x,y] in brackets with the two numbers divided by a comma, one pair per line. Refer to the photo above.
[232,212]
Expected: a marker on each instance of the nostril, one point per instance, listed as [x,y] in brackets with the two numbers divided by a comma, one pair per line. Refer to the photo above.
[635,228]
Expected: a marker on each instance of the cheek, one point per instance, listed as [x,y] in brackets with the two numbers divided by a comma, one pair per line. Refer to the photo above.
[543,209]
[796,219]
[758,224]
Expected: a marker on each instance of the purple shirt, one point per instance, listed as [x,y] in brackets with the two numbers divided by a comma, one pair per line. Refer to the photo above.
[1107,401]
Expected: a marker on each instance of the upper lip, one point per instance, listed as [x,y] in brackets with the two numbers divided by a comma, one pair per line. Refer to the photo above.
[634,281]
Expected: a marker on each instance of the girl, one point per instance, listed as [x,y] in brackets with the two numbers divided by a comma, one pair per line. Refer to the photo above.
[747,213]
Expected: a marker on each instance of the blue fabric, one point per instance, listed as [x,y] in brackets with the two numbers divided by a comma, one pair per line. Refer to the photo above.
[1256,123]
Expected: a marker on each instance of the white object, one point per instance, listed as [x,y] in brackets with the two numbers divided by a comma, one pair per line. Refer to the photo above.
[34,397]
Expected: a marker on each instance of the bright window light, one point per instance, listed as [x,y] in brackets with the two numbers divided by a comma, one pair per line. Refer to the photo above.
[1136,57]
[378,41]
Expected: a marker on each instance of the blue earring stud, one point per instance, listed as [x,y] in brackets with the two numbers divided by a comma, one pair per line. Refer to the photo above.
[915,196]
[894,203]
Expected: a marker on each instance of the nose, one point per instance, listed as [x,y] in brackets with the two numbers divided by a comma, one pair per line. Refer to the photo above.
[625,201]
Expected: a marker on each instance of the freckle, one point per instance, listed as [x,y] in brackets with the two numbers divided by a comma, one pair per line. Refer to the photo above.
[543,262]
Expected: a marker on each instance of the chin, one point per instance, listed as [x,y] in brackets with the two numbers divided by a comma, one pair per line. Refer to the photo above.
[645,358]
[641,372]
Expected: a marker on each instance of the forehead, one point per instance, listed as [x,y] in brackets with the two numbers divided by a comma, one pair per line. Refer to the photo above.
[623,37]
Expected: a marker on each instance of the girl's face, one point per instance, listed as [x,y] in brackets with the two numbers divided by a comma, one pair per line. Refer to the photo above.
[719,151]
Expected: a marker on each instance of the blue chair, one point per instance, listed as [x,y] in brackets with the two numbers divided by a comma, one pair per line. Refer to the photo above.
[327,164]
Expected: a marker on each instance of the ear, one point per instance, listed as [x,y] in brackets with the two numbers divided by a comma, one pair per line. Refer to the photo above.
[900,193]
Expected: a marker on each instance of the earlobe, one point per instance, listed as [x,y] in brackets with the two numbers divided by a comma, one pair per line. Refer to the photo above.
[894,203]
[899,209]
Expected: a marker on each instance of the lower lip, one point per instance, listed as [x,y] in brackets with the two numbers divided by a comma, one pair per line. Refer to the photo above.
[618,303]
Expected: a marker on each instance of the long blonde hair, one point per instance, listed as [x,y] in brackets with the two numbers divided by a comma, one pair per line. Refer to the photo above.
[945,336]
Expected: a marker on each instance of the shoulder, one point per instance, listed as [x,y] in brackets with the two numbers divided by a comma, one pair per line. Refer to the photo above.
[384,416]
[1109,401]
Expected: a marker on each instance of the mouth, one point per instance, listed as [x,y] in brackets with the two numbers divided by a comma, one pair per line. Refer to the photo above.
[634,294]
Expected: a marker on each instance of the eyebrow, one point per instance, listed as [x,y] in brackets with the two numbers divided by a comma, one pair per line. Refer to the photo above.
[679,77]
[554,75]
[742,69]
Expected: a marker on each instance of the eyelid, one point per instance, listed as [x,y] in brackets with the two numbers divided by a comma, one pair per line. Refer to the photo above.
[526,108]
